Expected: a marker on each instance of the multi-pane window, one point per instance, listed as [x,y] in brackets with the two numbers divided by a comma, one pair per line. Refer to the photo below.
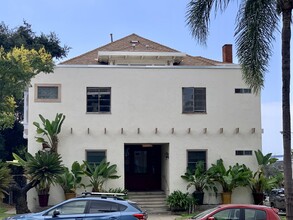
[194,156]
[194,99]
[47,92]
[243,152]
[98,99]
[242,90]
[95,157]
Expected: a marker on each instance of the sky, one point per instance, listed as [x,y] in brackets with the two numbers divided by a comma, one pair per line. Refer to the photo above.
[87,24]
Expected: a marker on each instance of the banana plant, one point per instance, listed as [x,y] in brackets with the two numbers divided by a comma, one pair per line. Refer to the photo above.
[98,174]
[260,182]
[49,131]
[70,180]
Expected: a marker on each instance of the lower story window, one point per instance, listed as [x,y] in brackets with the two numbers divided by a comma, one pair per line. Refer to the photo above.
[95,157]
[194,156]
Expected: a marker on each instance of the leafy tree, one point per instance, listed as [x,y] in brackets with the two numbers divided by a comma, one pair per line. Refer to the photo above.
[256,23]
[10,38]
[42,169]
[23,35]
[17,67]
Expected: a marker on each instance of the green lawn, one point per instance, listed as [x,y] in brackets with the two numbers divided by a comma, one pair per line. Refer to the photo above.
[3,209]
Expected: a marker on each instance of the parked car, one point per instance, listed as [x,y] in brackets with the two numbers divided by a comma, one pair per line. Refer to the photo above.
[240,211]
[90,206]
[277,199]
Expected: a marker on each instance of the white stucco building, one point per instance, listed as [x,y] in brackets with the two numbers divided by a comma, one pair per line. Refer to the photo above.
[149,109]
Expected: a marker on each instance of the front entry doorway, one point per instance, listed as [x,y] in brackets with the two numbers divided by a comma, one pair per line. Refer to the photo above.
[142,167]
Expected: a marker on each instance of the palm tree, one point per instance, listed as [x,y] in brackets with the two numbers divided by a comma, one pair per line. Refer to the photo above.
[42,170]
[257,20]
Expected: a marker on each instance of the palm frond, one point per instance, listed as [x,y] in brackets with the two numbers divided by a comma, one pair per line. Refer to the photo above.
[198,16]
[257,21]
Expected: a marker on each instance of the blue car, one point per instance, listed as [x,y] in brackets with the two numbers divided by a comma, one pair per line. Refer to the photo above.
[89,207]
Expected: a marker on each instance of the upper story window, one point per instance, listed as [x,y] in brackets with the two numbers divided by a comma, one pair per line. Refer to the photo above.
[99,99]
[47,92]
[242,90]
[194,99]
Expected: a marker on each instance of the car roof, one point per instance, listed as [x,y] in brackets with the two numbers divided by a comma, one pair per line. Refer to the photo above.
[98,198]
[244,206]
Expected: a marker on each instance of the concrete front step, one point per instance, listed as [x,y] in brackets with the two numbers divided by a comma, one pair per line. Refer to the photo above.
[153,202]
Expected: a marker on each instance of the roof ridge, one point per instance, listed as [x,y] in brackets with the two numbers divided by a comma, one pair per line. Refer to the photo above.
[134,42]
[98,48]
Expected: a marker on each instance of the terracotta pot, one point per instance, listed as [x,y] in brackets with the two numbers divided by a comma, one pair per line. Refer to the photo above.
[226,197]
[69,195]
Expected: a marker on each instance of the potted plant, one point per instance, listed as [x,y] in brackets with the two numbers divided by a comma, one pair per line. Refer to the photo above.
[260,182]
[179,201]
[70,180]
[44,168]
[200,180]
[43,189]
[230,178]
[98,174]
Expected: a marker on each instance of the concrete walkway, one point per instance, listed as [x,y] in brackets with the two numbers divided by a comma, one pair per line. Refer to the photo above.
[162,217]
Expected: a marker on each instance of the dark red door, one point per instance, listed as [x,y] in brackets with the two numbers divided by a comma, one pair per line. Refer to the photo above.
[142,167]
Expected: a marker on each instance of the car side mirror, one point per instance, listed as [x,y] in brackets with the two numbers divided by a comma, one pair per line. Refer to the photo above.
[56,213]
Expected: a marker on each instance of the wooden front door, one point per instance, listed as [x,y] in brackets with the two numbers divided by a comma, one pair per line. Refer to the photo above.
[142,167]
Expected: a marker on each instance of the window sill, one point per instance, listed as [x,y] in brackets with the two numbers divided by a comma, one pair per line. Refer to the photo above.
[194,113]
[98,113]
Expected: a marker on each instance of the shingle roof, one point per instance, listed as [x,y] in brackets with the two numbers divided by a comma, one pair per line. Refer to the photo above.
[141,45]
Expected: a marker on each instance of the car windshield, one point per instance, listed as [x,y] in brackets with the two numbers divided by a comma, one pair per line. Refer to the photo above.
[202,214]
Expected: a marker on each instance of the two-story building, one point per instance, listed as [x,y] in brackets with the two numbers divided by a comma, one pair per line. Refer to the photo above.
[150,109]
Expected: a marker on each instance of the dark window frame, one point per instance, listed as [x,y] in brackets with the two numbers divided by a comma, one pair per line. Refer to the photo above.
[98,100]
[243,152]
[95,151]
[191,165]
[194,100]
[242,91]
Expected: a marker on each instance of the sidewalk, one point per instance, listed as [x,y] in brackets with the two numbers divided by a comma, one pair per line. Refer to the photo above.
[162,217]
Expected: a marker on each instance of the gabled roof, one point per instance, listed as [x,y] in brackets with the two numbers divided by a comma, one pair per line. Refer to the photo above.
[135,43]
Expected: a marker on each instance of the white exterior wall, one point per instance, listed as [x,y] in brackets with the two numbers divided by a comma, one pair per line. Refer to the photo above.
[149,98]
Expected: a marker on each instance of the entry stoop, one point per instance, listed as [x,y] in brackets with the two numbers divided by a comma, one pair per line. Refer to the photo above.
[152,202]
